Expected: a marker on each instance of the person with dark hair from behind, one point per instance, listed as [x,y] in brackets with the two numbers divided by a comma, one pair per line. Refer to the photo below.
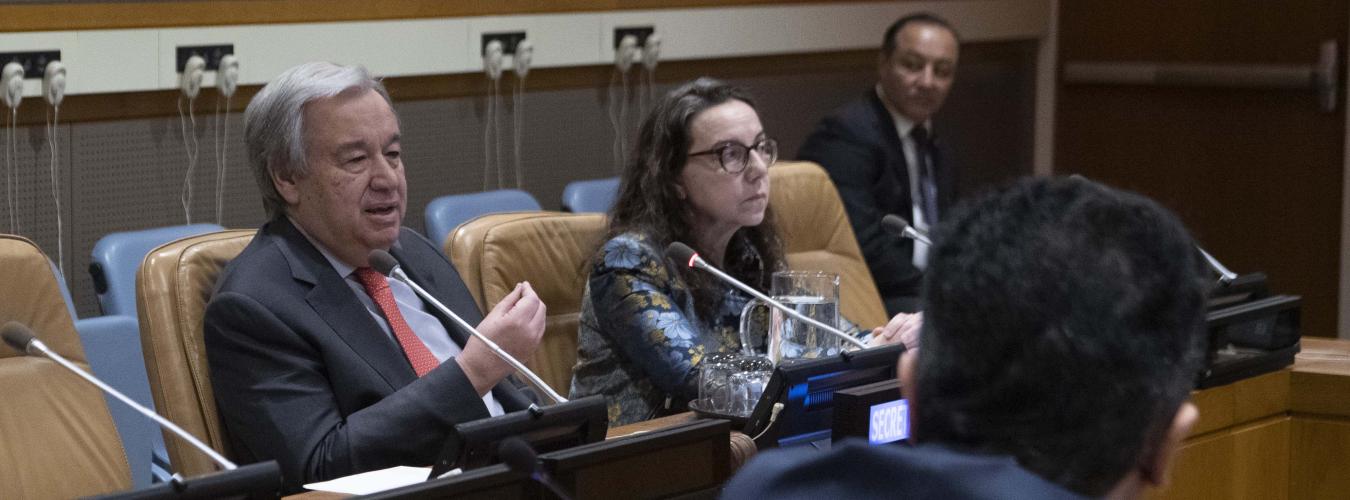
[883,155]
[1064,327]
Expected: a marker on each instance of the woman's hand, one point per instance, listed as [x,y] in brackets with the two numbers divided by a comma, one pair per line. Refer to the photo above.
[903,328]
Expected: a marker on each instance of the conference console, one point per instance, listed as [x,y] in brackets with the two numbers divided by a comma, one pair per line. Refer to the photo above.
[1250,331]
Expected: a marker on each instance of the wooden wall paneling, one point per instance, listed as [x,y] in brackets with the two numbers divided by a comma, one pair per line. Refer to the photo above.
[1321,459]
[52,16]
[1255,174]
[1246,462]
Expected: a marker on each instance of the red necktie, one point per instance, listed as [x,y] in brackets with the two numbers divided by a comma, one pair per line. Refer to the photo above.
[421,358]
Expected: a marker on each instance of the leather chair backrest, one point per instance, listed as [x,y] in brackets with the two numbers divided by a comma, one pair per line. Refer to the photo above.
[551,250]
[57,438]
[817,236]
[594,195]
[117,256]
[447,212]
[172,289]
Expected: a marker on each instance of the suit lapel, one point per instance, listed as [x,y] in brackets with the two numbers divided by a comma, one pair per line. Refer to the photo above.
[893,152]
[334,301]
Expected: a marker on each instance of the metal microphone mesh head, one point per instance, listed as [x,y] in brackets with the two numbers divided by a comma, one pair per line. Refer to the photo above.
[382,262]
[681,253]
[518,455]
[16,335]
[895,223]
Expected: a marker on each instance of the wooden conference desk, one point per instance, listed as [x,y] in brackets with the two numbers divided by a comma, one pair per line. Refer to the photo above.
[1283,435]
[694,467]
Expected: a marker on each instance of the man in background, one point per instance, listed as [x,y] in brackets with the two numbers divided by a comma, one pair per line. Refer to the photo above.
[1063,330]
[883,156]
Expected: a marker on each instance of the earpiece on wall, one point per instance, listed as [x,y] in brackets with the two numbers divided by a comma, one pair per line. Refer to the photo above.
[54,83]
[11,77]
[191,79]
[626,53]
[523,58]
[651,51]
[492,60]
[227,76]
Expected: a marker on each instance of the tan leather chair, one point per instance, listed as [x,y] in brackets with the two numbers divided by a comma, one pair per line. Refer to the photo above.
[172,288]
[817,236]
[57,439]
[551,250]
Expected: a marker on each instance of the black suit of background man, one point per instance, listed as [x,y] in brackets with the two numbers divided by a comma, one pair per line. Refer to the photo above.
[864,152]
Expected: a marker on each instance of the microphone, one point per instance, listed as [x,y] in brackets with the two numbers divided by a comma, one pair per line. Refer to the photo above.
[22,339]
[682,253]
[901,227]
[1225,276]
[387,265]
[520,457]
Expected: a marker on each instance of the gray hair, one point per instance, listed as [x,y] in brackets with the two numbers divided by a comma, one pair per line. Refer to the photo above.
[274,121]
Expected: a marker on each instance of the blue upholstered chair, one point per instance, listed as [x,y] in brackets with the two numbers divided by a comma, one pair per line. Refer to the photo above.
[113,342]
[112,346]
[595,195]
[447,212]
[118,256]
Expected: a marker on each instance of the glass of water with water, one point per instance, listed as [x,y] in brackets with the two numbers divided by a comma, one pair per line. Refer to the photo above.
[814,294]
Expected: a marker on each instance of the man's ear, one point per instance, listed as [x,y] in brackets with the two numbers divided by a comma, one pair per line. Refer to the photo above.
[1155,469]
[286,187]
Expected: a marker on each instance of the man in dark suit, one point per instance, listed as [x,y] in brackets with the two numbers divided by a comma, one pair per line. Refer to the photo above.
[883,156]
[317,361]
[1063,331]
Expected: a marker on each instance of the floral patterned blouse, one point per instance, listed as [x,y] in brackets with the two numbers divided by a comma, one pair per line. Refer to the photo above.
[640,339]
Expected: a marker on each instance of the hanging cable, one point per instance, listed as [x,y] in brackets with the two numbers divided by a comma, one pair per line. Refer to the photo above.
[487,140]
[222,140]
[612,108]
[623,120]
[10,144]
[497,130]
[517,122]
[54,117]
[11,93]
[54,91]
[191,151]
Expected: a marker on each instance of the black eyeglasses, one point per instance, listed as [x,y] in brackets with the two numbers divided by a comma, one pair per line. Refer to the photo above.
[734,156]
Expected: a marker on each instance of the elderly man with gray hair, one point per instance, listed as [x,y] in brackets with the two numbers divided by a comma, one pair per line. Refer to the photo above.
[318,361]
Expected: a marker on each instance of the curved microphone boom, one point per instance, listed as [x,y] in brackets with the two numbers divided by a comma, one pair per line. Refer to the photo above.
[682,253]
[387,265]
[901,227]
[22,339]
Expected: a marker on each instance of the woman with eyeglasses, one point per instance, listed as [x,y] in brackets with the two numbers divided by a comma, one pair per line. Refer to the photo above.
[700,176]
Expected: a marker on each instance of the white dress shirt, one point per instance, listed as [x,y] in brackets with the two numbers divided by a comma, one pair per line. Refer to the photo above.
[902,127]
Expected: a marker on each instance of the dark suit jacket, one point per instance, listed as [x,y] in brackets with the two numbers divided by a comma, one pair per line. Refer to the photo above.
[859,147]
[304,375]
[852,469]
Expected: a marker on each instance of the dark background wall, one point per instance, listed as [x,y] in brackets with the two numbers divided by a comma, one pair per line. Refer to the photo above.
[1255,173]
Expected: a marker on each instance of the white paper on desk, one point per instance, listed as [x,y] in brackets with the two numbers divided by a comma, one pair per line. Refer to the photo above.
[374,481]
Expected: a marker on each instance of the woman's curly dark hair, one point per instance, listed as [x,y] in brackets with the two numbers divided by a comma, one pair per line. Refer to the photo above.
[649,204]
